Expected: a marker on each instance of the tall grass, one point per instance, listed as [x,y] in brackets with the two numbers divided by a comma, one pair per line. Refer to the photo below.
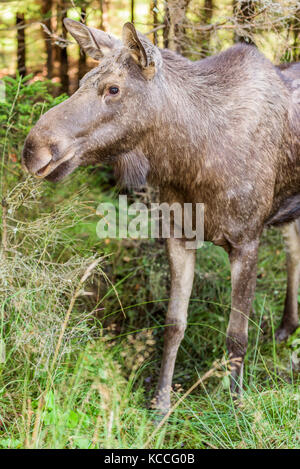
[81,321]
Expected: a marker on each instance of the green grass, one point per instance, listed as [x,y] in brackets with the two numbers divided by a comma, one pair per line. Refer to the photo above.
[83,355]
[99,391]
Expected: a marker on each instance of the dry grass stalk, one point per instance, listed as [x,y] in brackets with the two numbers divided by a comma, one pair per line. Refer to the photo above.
[76,293]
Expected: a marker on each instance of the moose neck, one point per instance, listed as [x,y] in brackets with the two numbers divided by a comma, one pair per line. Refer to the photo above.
[183,126]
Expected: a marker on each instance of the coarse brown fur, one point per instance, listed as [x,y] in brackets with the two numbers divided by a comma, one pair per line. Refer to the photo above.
[224,131]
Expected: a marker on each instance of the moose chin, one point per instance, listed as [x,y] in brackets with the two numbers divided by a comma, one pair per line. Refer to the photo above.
[223,131]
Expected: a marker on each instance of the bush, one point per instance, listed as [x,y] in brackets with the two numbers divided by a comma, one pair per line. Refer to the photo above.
[25,101]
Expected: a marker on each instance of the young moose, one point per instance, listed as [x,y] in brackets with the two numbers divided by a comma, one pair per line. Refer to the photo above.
[224,131]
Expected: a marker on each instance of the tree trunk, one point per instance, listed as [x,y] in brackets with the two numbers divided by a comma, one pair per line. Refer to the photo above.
[82,55]
[64,77]
[104,7]
[296,36]
[206,20]
[21,50]
[177,11]
[132,11]
[55,22]
[244,11]
[166,30]
[46,12]
[155,20]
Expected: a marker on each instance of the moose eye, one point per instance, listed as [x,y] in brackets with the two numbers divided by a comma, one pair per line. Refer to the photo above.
[113,90]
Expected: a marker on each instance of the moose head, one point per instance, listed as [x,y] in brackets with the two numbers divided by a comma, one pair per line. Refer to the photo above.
[115,106]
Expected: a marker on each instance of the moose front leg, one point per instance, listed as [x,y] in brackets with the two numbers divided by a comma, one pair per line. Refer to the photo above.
[243,262]
[182,264]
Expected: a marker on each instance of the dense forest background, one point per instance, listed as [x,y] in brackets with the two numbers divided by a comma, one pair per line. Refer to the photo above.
[34,40]
[82,318]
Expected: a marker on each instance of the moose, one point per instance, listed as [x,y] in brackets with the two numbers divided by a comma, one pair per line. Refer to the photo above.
[223,131]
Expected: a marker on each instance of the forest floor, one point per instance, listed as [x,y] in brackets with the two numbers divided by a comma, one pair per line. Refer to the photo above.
[80,356]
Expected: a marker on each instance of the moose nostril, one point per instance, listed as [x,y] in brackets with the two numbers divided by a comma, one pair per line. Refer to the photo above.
[35,158]
[54,151]
[28,151]
[31,149]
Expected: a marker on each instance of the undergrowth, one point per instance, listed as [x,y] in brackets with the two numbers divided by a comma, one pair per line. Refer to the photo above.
[82,319]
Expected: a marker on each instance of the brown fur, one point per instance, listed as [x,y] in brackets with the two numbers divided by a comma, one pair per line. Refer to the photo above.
[223,131]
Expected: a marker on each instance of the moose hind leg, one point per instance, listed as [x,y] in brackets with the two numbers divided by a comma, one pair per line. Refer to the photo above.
[243,262]
[182,264]
[289,322]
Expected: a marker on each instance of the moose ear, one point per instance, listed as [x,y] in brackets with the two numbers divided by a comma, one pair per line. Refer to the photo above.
[94,42]
[142,50]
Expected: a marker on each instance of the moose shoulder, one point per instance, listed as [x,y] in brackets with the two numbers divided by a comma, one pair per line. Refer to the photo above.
[223,131]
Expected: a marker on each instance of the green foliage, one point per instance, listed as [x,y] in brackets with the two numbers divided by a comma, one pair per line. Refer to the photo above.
[25,101]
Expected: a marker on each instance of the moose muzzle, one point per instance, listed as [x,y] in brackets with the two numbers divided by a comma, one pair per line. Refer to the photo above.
[41,160]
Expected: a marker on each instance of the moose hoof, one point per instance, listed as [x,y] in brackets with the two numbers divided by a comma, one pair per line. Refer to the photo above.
[162,402]
[158,417]
[236,394]
[162,407]
[283,332]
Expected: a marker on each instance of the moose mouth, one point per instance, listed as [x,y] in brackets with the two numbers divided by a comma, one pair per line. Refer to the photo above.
[56,166]
[61,171]
[43,171]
